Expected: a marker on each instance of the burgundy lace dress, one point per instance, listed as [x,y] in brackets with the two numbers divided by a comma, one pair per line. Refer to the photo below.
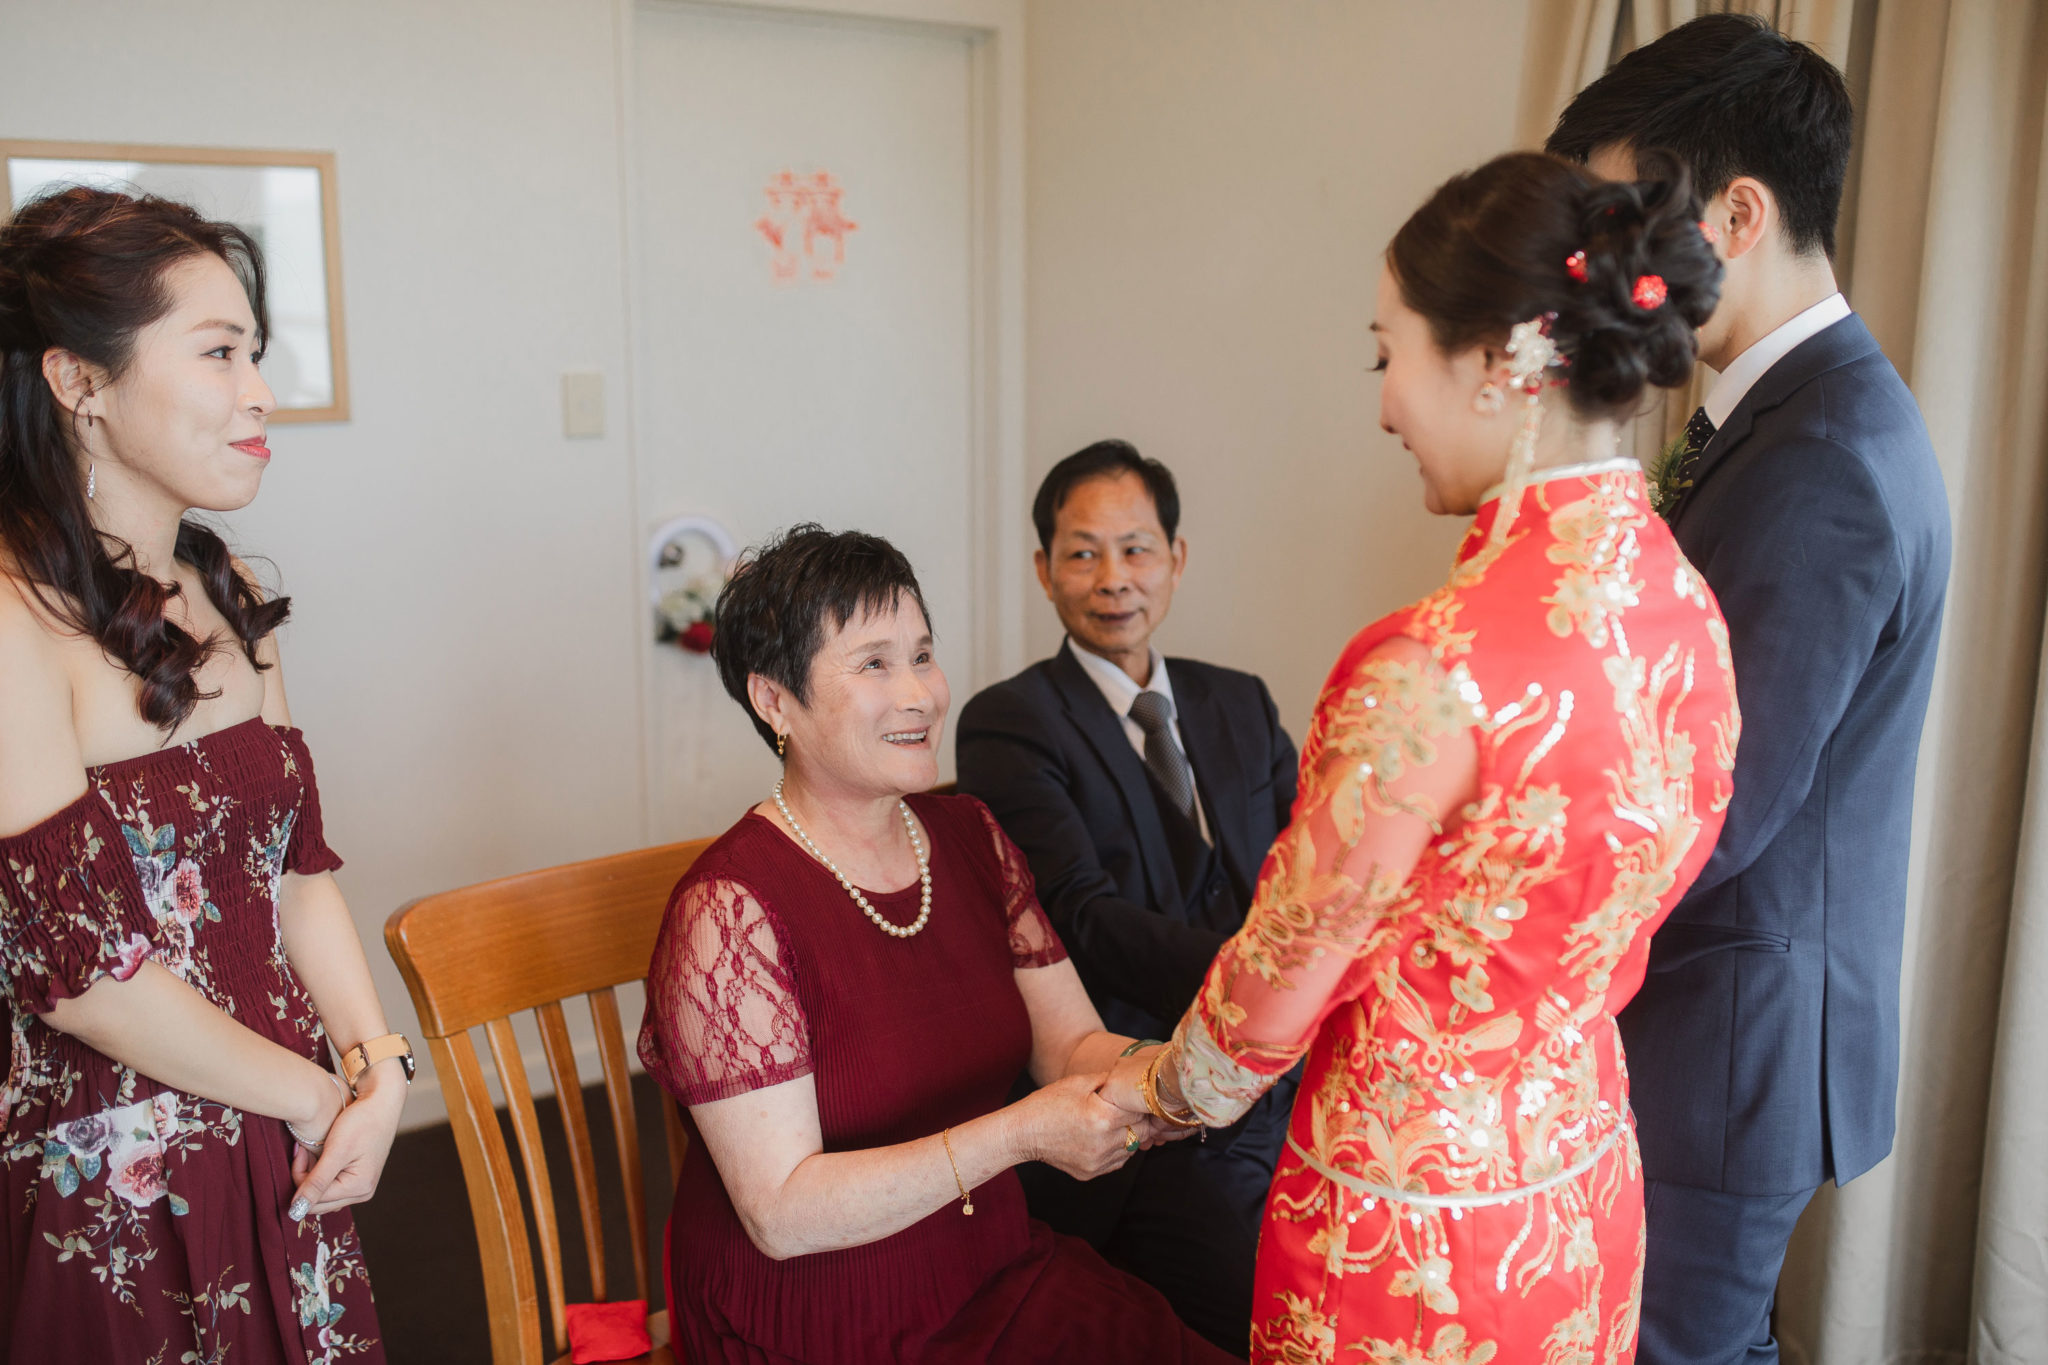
[766,971]
[146,1226]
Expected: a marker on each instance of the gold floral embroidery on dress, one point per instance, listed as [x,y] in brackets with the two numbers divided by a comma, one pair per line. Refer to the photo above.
[1313,897]
[1465,1063]
[1728,729]
[1448,1346]
[1297,1335]
[1597,546]
[1655,793]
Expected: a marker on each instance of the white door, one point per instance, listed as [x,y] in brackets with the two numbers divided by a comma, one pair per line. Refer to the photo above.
[803,291]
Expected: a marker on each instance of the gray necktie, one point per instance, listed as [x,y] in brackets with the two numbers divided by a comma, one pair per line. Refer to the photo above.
[1154,713]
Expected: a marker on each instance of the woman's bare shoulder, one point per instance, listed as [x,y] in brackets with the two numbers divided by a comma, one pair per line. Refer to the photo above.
[32,639]
[41,769]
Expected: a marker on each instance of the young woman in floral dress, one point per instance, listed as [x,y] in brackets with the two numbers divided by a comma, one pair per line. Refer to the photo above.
[177,1157]
[1505,787]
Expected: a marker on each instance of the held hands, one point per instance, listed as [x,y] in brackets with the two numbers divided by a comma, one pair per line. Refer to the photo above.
[1121,1087]
[1073,1128]
[1124,1087]
[357,1139]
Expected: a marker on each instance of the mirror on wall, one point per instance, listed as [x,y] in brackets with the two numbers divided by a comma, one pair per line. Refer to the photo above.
[285,200]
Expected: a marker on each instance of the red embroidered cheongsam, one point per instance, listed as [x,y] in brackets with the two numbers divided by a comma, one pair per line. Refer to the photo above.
[1460,1184]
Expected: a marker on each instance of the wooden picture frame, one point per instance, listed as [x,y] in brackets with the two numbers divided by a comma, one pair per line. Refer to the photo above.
[313,387]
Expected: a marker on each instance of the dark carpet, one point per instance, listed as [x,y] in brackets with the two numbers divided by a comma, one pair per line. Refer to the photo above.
[422,1249]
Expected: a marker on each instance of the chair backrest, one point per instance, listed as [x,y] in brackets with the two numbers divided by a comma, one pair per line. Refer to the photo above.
[475,957]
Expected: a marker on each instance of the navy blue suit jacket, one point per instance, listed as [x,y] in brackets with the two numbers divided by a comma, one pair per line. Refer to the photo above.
[1763,1049]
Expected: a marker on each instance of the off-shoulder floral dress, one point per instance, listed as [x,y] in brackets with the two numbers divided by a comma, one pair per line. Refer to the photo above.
[144,1224]
[1460,1184]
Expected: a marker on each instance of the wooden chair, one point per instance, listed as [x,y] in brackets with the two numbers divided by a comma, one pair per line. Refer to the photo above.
[475,957]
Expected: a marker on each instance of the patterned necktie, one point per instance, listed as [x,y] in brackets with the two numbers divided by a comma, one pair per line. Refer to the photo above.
[1698,432]
[1154,713]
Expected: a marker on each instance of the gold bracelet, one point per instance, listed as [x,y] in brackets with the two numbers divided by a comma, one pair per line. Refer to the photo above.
[966,1199]
[1149,1088]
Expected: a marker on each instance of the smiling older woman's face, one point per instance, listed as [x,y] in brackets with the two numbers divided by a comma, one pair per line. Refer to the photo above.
[877,708]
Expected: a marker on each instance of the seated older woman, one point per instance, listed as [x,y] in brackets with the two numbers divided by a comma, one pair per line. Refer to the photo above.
[845,987]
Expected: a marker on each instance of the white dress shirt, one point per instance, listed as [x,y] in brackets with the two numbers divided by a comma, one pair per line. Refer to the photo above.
[1743,371]
[1120,690]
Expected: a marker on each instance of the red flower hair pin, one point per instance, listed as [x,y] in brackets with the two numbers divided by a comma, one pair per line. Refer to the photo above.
[1710,232]
[1575,266]
[1649,292]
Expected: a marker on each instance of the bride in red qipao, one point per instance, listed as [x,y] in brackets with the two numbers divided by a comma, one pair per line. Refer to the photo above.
[1504,789]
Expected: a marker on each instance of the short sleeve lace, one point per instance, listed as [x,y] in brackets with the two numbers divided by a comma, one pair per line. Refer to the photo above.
[1033,942]
[722,1016]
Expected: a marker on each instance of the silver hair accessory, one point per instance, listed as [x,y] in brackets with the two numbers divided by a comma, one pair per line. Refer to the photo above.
[1531,355]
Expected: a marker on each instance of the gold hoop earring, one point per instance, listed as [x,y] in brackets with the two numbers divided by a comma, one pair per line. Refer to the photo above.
[1489,400]
[781,746]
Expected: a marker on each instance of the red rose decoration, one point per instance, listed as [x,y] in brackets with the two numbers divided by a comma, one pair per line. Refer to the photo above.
[696,637]
[1649,292]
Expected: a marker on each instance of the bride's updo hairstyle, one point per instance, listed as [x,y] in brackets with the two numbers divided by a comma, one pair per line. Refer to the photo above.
[1501,244]
[83,270]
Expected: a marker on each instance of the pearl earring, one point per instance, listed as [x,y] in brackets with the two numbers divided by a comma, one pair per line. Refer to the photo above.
[1489,399]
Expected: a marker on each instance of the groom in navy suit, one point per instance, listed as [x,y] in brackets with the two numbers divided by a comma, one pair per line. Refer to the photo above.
[1763,1048]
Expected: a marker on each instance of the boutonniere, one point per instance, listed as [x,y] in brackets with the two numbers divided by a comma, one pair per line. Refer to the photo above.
[1666,484]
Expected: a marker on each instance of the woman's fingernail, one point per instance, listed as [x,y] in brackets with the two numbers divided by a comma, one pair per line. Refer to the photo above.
[297,1210]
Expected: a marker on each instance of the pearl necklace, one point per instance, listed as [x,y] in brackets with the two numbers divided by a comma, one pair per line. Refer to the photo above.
[924,870]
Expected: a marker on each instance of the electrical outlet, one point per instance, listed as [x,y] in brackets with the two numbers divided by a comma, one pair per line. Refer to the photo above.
[583,404]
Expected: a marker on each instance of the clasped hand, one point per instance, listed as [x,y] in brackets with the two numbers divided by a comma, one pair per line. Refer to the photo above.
[351,1156]
[1084,1133]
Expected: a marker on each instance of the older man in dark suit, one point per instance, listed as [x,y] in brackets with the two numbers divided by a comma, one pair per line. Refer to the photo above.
[1763,1048]
[1145,792]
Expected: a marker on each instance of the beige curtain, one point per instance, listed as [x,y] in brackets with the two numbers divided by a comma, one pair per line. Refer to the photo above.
[1572,41]
[1941,1253]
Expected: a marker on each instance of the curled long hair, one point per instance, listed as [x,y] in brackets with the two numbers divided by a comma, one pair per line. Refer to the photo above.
[85,270]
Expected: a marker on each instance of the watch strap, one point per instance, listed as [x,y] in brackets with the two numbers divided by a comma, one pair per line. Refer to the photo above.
[371,1051]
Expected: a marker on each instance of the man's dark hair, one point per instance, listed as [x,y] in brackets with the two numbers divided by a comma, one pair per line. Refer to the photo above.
[1104,459]
[773,611]
[1730,96]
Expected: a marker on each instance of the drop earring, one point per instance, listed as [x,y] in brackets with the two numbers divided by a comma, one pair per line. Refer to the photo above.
[1489,400]
[781,745]
[92,480]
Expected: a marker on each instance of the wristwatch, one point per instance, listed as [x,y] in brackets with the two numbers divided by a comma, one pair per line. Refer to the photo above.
[368,1053]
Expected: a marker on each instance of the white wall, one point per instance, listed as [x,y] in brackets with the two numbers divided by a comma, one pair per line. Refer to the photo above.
[1211,185]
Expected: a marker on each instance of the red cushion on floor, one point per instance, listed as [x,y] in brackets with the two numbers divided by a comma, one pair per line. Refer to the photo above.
[607,1331]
